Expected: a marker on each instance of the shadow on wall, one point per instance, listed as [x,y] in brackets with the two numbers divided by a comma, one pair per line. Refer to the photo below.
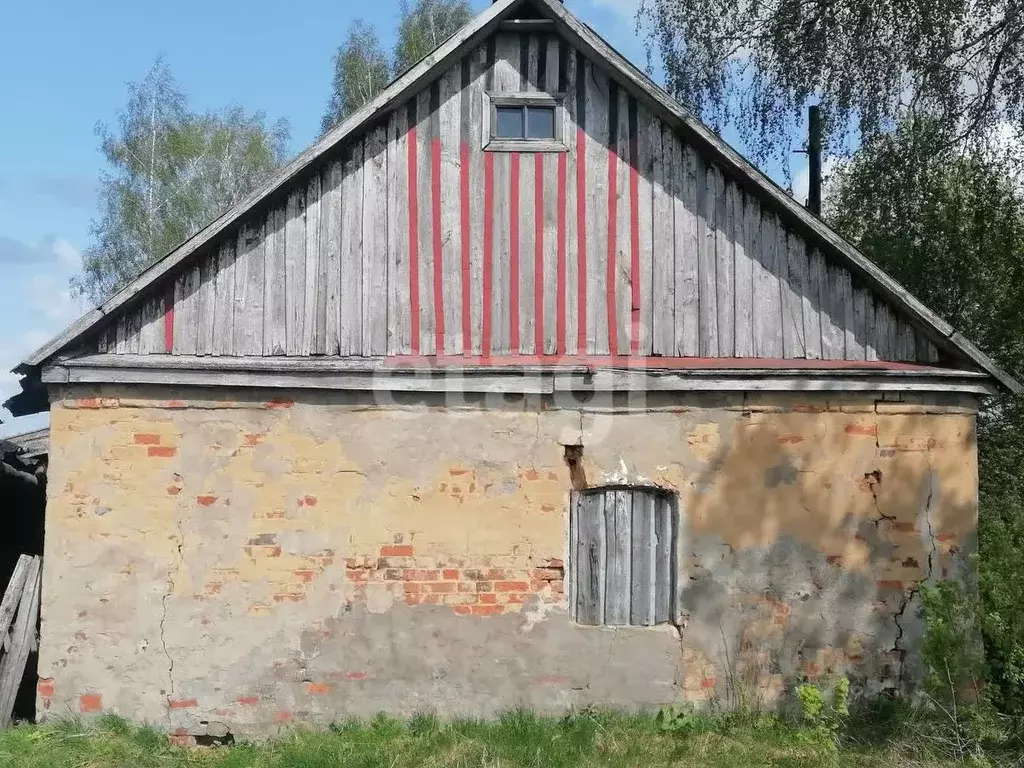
[811,569]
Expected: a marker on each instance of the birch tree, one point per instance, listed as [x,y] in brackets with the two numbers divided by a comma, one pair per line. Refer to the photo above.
[171,172]
[361,71]
[425,25]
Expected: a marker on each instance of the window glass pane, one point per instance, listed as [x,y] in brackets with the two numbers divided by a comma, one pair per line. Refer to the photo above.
[540,123]
[509,122]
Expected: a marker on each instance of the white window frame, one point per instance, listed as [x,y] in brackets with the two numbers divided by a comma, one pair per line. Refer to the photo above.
[492,100]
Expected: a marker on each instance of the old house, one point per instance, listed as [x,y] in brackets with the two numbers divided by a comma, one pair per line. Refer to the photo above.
[519,387]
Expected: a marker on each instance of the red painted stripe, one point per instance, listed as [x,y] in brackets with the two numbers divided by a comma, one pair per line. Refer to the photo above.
[634,250]
[581,240]
[513,253]
[435,195]
[467,347]
[169,318]
[414,256]
[560,285]
[538,260]
[485,298]
[613,331]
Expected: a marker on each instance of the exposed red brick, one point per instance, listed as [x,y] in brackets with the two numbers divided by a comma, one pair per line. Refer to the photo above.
[485,610]
[442,586]
[420,574]
[492,574]
[181,738]
[484,586]
[182,703]
[511,586]
[396,550]
[557,586]
[252,439]
[206,501]
[162,451]
[412,588]
[808,408]
[212,587]
[284,716]
[708,682]
[554,562]
[889,584]
[516,598]
[531,474]
[791,439]
[145,438]
[463,610]
[547,507]
[173,490]
[869,430]
[176,404]
[277,403]
[309,501]
[304,575]
[248,701]
[946,537]
[90,702]
[450,573]
[315,689]
[455,471]
[904,527]
[45,687]
[289,597]
[488,598]
[546,574]
[89,402]
[356,675]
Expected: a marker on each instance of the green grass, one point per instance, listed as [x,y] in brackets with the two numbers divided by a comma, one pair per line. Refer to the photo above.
[516,740]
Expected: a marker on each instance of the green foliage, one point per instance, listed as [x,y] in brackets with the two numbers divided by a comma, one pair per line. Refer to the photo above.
[172,171]
[756,64]
[949,225]
[824,719]
[361,71]
[950,649]
[361,66]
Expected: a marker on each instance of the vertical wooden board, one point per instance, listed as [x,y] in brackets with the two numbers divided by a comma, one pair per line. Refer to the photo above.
[247,325]
[500,267]
[186,314]
[648,153]
[527,253]
[374,320]
[550,253]
[330,238]
[870,332]
[833,312]
[794,288]
[151,332]
[312,291]
[664,581]
[507,62]
[618,516]
[842,301]
[573,132]
[597,157]
[709,182]
[856,324]
[686,173]
[101,341]
[885,331]
[399,324]
[767,291]
[448,125]
[590,560]
[224,308]
[642,569]
[744,275]
[207,303]
[425,237]
[120,330]
[350,329]
[571,566]
[907,342]
[811,298]
[623,232]
[295,270]
[275,284]
[474,95]
[133,324]
[725,257]
[662,306]
[933,353]
[530,47]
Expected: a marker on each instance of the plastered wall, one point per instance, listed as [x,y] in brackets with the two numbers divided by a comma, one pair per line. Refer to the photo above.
[225,561]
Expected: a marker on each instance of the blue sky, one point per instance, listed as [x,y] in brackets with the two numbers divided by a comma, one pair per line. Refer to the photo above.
[64,66]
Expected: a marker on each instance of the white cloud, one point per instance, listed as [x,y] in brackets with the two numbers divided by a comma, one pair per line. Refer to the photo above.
[50,296]
[69,257]
[626,8]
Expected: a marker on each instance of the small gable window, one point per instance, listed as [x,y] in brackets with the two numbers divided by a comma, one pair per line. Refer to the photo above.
[524,122]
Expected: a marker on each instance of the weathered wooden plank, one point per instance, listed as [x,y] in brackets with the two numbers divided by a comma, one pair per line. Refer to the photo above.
[622,253]
[725,265]
[885,330]
[870,331]
[206,303]
[374,321]
[248,311]
[275,292]
[816,276]
[425,261]
[12,594]
[597,158]
[648,152]
[451,209]
[151,333]
[574,135]
[744,216]
[12,668]
[664,583]
[295,270]
[331,216]
[549,254]
[907,342]
[709,185]
[312,340]
[530,49]
[399,321]
[473,98]
[833,312]
[350,327]
[224,307]
[186,325]
[120,331]
[507,56]
[662,306]
[767,292]
[618,517]
[856,324]
[686,171]
[642,570]
[590,560]
[527,252]
[842,298]
[794,288]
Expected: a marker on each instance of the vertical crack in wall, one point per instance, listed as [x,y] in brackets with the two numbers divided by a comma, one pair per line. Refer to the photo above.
[171,571]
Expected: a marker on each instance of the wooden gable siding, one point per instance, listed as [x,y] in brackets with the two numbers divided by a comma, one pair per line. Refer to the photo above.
[415,241]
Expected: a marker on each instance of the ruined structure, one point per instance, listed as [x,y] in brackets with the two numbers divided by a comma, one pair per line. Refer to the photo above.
[519,387]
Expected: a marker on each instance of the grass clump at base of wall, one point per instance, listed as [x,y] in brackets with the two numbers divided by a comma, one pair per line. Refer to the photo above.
[517,739]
